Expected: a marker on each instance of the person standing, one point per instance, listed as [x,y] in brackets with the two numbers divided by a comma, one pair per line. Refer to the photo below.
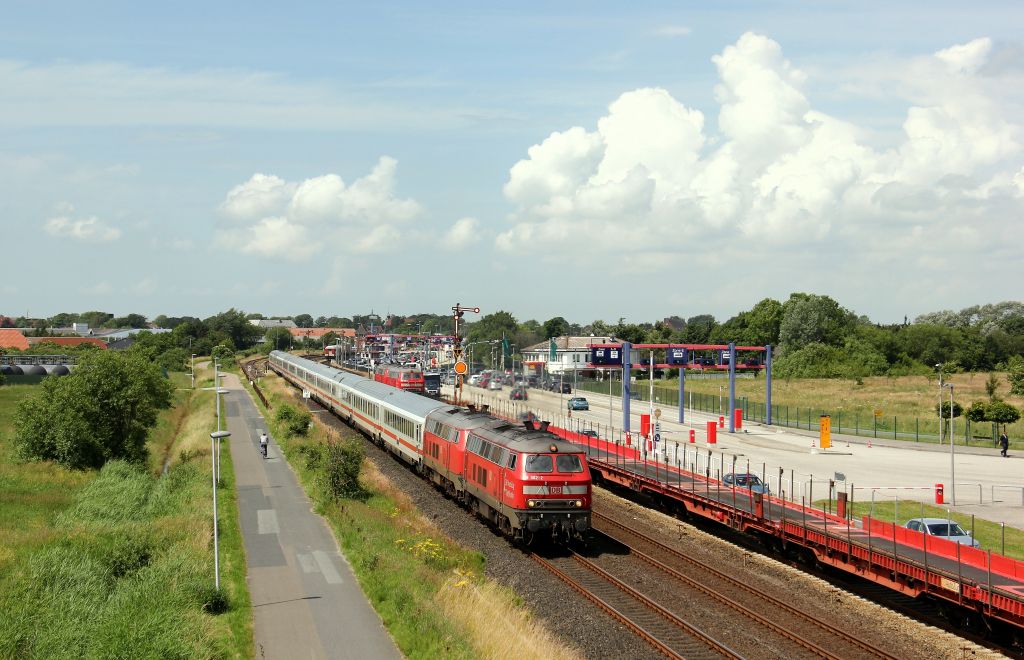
[1004,444]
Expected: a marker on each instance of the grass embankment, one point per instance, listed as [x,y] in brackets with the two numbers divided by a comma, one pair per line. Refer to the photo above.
[429,591]
[910,399]
[990,534]
[119,563]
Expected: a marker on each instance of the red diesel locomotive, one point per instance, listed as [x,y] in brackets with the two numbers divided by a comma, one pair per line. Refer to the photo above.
[522,479]
[409,379]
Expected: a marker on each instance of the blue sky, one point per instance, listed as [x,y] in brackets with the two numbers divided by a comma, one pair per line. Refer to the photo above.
[579,159]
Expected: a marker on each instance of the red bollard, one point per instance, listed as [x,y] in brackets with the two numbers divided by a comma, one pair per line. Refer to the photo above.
[721,421]
[693,436]
[938,494]
[737,416]
[712,433]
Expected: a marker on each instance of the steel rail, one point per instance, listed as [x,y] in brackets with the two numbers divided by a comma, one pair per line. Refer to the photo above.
[625,619]
[758,593]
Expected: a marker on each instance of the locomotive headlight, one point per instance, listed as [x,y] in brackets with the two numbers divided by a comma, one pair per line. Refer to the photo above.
[579,503]
[531,503]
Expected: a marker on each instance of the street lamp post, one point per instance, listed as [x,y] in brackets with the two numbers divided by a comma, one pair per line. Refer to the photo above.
[215,439]
[193,374]
[942,423]
[952,446]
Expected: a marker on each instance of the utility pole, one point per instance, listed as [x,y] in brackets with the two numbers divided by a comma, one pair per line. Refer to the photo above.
[457,312]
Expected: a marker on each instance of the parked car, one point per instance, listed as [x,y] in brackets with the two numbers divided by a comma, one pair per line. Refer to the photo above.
[483,382]
[494,383]
[590,433]
[474,379]
[578,403]
[945,528]
[518,394]
[746,480]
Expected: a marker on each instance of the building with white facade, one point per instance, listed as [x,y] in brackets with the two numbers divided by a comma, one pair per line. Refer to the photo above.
[572,355]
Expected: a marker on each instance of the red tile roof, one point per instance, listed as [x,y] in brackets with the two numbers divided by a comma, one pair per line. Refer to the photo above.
[13,339]
[68,341]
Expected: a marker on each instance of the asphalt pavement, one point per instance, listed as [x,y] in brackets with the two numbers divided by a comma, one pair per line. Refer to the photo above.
[306,601]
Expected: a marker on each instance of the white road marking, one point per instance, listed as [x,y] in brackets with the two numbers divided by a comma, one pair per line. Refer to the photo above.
[323,560]
[266,519]
[306,562]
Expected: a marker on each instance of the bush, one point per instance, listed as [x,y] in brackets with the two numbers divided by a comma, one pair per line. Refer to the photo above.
[296,422]
[343,460]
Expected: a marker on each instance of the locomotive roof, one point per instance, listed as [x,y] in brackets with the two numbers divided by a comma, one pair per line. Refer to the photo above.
[464,417]
[520,438]
[414,404]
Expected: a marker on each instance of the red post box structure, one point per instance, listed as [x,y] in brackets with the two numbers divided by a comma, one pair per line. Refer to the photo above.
[737,416]
[712,433]
[693,435]
[939,499]
[721,421]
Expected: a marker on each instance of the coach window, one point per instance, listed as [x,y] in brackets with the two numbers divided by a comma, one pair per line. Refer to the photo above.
[539,463]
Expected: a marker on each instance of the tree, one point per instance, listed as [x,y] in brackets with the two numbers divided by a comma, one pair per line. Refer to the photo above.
[304,321]
[102,411]
[233,324]
[943,410]
[699,328]
[95,319]
[278,339]
[1001,412]
[1016,375]
[992,386]
[556,327]
[130,321]
[809,318]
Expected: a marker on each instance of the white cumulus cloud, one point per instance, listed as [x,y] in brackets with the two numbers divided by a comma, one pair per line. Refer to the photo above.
[291,219]
[90,229]
[653,176]
[463,234]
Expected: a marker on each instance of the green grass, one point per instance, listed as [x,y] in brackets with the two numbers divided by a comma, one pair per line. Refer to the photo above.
[117,563]
[401,563]
[989,533]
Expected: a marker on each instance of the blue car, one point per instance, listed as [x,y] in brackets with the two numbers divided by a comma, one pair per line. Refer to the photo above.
[578,403]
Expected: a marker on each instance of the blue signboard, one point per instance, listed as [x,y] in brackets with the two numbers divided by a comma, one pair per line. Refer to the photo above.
[676,355]
[606,356]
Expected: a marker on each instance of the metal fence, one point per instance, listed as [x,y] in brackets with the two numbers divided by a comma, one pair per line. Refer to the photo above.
[914,429]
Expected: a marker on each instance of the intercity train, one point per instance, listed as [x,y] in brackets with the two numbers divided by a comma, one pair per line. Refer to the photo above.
[526,481]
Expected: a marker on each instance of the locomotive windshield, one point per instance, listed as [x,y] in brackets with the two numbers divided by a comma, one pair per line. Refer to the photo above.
[539,463]
[568,463]
[546,463]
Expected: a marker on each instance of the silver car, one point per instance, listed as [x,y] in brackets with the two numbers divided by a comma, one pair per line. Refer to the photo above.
[942,527]
[494,384]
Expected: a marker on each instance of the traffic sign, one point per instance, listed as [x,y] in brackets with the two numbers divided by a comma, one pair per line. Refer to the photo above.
[461,368]
[657,413]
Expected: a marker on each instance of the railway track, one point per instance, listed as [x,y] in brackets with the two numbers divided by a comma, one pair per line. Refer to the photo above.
[661,628]
[816,636]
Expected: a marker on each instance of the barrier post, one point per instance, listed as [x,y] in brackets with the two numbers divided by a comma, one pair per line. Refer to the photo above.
[712,433]
[738,418]
[693,435]
[721,421]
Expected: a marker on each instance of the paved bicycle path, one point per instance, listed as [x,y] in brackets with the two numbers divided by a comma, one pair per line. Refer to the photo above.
[306,601]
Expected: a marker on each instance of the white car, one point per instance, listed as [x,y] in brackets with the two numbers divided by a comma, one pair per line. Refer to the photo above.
[495,384]
[474,379]
[944,528]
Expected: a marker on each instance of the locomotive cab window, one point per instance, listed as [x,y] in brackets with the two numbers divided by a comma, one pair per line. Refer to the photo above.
[539,463]
[568,463]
